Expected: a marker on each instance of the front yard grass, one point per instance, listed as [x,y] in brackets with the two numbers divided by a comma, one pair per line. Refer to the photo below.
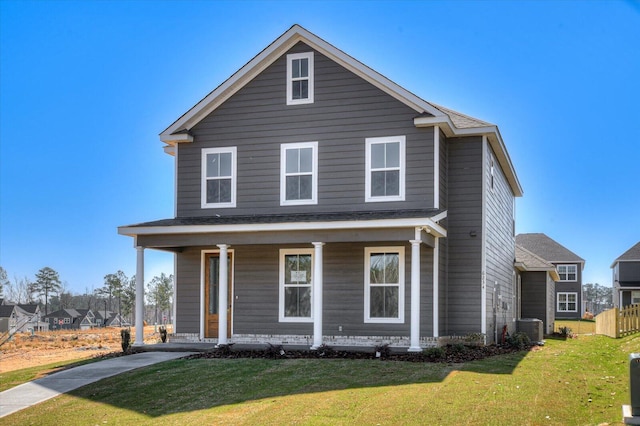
[582,381]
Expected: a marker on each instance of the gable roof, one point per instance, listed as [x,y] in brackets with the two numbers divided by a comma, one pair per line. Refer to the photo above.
[451,122]
[30,308]
[528,261]
[547,248]
[631,255]
[6,310]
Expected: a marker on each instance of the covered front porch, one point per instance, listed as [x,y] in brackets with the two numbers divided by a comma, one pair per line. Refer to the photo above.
[246,254]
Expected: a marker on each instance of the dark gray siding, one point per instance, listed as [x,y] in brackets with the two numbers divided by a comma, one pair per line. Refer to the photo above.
[629,273]
[256,292]
[188,291]
[346,110]
[500,248]
[534,295]
[464,217]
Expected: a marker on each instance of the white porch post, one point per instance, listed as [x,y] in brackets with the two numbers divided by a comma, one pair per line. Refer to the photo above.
[139,296]
[415,296]
[317,295]
[223,292]
[436,291]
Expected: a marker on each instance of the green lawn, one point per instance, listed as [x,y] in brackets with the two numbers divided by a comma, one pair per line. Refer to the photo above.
[581,381]
[10,379]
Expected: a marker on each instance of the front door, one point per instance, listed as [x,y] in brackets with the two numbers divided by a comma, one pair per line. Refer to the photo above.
[211,292]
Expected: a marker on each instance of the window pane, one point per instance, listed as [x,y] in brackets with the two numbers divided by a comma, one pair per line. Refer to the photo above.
[392,184]
[306,160]
[295,68]
[297,269]
[225,164]
[393,154]
[213,191]
[377,156]
[214,263]
[384,302]
[225,191]
[292,160]
[292,187]
[213,165]
[297,301]
[392,273]
[378,184]
[304,67]
[376,269]
[304,89]
[306,182]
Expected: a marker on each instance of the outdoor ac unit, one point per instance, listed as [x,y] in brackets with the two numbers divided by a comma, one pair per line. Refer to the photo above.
[532,327]
[634,383]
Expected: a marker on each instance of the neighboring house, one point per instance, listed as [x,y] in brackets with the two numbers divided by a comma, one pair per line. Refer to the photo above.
[568,286]
[20,318]
[109,319]
[318,202]
[626,278]
[70,319]
[536,288]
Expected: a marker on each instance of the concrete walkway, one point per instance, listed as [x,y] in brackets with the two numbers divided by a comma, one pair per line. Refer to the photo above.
[31,393]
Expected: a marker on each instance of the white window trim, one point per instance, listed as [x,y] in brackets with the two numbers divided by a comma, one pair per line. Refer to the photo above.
[637,293]
[283,173]
[203,178]
[290,58]
[566,294]
[387,139]
[281,316]
[367,285]
[566,273]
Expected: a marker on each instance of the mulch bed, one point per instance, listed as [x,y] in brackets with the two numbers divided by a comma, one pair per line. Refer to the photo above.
[452,354]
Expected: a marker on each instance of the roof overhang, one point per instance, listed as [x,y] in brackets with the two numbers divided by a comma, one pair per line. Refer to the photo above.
[429,225]
[493,135]
[522,267]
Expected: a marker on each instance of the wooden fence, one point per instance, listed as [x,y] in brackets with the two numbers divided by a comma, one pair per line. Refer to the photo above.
[619,322]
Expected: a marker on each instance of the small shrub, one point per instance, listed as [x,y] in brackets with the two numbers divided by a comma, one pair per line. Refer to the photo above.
[224,350]
[163,334]
[274,351]
[475,339]
[125,335]
[383,350]
[458,348]
[565,332]
[435,354]
[325,351]
[519,340]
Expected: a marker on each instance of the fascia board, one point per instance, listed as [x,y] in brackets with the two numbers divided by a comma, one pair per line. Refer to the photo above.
[269,55]
[427,223]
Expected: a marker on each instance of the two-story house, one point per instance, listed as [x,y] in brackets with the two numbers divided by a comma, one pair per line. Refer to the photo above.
[569,267]
[318,202]
[626,278]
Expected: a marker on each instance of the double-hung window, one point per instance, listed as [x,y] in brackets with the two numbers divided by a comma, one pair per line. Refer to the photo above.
[385,169]
[568,272]
[567,302]
[296,273]
[219,177]
[635,297]
[300,78]
[384,285]
[299,173]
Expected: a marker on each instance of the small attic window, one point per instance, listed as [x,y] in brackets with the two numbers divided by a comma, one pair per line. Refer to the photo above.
[300,78]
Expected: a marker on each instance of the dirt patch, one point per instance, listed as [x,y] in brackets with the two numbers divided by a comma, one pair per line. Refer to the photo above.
[25,350]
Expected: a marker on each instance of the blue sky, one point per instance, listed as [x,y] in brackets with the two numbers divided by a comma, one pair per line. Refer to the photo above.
[86,87]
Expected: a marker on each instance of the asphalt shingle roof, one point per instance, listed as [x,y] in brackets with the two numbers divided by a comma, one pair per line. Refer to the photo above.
[632,254]
[547,248]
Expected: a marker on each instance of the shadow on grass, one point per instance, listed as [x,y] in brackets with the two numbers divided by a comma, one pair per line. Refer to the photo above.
[188,385]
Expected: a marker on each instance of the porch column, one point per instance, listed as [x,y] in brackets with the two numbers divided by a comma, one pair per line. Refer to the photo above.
[436,291]
[223,292]
[317,295]
[415,296]
[139,296]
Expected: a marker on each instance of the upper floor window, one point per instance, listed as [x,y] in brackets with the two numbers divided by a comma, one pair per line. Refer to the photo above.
[384,285]
[296,273]
[298,173]
[567,302]
[300,78]
[568,272]
[385,168]
[219,177]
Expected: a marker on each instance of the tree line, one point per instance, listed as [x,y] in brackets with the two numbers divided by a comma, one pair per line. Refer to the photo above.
[117,294]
